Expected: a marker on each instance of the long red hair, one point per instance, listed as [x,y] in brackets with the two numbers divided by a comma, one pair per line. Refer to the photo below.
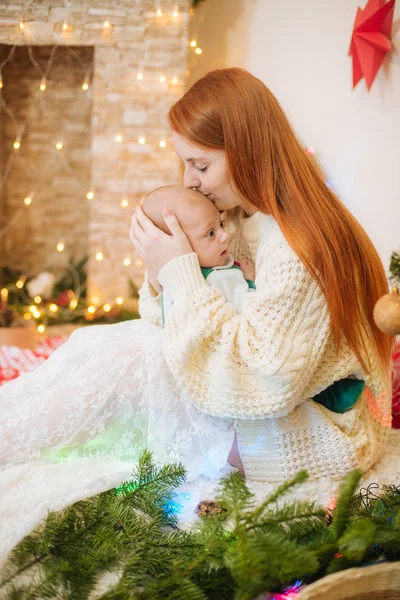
[230,109]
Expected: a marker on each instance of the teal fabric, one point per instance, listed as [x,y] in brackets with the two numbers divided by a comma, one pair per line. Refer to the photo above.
[251,284]
[341,395]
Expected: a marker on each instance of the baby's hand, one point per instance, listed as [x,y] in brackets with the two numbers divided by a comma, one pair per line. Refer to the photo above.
[248,269]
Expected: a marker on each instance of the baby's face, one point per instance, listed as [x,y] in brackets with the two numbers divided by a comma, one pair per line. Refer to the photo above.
[203,226]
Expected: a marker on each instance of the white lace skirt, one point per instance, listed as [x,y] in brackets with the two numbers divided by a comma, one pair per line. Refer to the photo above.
[77,425]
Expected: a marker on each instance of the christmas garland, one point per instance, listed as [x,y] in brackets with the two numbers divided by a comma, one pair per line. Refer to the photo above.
[239,551]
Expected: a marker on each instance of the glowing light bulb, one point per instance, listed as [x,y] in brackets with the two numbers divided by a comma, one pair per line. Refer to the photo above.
[106,308]
[90,195]
[118,138]
[99,256]
[199,51]
[73,304]
[174,80]
[43,85]
[159,12]
[27,316]
[193,44]
[65,26]
[127,262]
[106,24]
[32,309]
[36,314]
[163,79]
[162,144]
[17,145]
[85,86]
[60,246]
[37,299]
[139,76]
[20,284]
[119,300]
[53,307]
[21,25]
[142,140]
[28,200]
[41,328]
[91,310]
[1,82]
[59,145]
[124,202]
[175,14]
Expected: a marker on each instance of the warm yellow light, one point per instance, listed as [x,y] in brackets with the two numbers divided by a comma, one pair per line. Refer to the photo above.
[36,314]
[90,195]
[53,307]
[20,284]
[175,14]
[41,328]
[174,80]
[199,51]
[43,85]
[91,310]
[37,299]
[85,86]
[142,140]
[32,309]
[28,200]
[124,202]
[60,246]
[1,83]
[119,300]
[27,316]
[73,304]
[193,43]
[4,295]
[106,308]
[159,12]
[163,79]
[99,256]
[65,26]
[21,25]
[59,145]
[118,138]
[138,262]
[127,262]
[162,143]
[139,76]
[95,300]
[17,145]
[106,24]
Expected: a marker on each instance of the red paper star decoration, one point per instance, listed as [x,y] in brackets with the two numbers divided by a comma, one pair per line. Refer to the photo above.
[370,40]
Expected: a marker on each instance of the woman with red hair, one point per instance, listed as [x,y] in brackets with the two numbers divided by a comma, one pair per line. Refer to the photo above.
[304,371]
[299,380]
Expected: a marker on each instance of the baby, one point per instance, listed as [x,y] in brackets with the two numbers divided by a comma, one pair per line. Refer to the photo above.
[201,221]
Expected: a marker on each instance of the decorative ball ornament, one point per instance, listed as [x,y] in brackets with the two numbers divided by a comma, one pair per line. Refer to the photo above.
[387,313]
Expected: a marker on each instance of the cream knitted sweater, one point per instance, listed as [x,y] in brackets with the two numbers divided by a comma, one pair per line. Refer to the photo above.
[263,367]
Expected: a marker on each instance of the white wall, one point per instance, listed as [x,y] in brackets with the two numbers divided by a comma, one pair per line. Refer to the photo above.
[299,49]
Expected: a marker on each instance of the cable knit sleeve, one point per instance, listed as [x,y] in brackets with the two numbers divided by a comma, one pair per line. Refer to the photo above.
[255,365]
[150,306]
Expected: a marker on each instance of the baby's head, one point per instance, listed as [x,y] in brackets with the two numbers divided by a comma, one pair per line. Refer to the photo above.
[198,217]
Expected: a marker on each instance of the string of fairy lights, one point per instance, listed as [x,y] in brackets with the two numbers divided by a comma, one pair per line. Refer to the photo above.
[164,13]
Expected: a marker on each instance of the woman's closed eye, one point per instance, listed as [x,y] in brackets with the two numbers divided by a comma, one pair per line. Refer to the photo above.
[202,170]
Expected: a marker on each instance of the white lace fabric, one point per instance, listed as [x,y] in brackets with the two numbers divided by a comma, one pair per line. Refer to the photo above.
[77,424]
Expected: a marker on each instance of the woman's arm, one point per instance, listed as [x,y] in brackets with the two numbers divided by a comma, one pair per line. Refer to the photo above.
[254,365]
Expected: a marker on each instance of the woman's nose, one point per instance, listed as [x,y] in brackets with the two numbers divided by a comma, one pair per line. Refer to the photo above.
[191,180]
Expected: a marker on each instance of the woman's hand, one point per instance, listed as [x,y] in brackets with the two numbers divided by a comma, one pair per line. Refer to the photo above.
[152,278]
[154,246]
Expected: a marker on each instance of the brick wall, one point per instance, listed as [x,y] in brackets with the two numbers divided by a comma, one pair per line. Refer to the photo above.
[117,103]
